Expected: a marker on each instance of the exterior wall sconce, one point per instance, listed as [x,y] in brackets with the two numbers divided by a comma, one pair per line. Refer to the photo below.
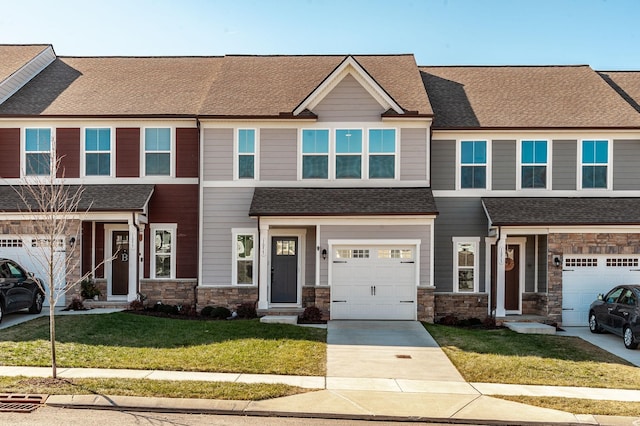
[324,254]
[557,261]
[72,241]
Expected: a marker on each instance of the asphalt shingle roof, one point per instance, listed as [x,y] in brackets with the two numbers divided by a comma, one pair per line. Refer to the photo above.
[524,97]
[95,198]
[562,211]
[15,56]
[626,83]
[341,201]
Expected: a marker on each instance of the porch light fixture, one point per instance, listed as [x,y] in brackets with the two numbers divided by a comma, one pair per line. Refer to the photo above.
[72,241]
[557,261]
[324,254]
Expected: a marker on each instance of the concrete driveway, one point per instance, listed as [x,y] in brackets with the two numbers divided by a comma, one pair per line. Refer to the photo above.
[609,342]
[386,350]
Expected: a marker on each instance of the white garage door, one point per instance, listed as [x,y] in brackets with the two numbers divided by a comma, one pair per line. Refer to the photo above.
[32,256]
[584,277]
[373,282]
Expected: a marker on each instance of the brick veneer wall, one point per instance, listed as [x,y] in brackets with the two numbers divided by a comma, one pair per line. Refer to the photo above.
[229,297]
[534,304]
[169,292]
[461,305]
[581,244]
[320,297]
[426,304]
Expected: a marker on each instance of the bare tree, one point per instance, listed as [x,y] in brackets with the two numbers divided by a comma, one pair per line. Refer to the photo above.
[55,211]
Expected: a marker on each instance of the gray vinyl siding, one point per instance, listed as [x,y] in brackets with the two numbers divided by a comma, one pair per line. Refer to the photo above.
[224,209]
[278,154]
[542,263]
[23,75]
[217,155]
[443,165]
[459,217]
[310,257]
[413,154]
[529,264]
[348,101]
[503,165]
[382,232]
[626,158]
[565,156]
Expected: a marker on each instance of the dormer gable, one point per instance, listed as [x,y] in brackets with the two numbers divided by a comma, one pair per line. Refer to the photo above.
[21,63]
[349,67]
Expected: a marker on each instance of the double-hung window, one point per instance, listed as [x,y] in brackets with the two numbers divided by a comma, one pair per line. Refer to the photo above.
[382,153]
[244,257]
[37,151]
[465,261]
[246,154]
[164,251]
[97,147]
[534,164]
[315,154]
[348,154]
[473,164]
[595,164]
[157,151]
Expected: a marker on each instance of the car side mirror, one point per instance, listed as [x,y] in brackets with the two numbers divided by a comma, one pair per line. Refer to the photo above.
[30,275]
[601,296]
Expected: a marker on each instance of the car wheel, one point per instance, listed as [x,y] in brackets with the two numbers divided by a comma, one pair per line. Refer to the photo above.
[594,327]
[629,340]
[36,306]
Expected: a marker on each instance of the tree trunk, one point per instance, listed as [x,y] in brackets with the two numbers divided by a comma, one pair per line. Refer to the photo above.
[52,337]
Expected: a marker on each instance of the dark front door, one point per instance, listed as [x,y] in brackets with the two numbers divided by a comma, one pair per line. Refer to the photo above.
[512,278]
[120,264]
[284,270]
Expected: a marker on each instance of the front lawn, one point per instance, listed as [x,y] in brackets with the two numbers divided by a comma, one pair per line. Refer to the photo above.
[123,340]
[503,356]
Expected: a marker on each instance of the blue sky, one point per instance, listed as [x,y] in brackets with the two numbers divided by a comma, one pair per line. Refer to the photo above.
[602,33]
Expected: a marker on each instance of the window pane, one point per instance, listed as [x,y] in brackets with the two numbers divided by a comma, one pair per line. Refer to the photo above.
[601,152]
[534,176]
[157,139]
[527,152]
[38,140]
[466,149]
[315,167]
[466,254]
[348,167]
[246,141]
[479,152]
[315,141]
[473,177]
[348,141]
[158,164]
[91,140]
[465,280]
[244,246]
[38,164]
[245,271]
[382,166]
[104,139]
[382,141]
[246,166]
[98,164]
[540,156]
[594,176]
[163,266]
[163,241]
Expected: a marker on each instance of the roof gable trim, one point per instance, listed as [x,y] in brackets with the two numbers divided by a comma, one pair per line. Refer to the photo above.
[26,73]
[349,66]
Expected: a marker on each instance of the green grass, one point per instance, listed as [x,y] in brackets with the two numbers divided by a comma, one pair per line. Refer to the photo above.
[503,356]
[580,406]
[123,340]
[148,388]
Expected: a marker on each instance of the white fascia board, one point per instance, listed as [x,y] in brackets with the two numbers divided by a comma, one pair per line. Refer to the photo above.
[349,66]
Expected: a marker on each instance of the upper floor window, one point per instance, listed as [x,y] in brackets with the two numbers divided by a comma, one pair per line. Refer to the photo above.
[348,154]
[382,153]
[157,151]
[595,164]
[534,164]
[315,154]
[246,154]
[97,147]
[37,151]
[473,164]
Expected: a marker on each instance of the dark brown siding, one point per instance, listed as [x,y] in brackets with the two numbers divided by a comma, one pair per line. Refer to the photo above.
[87,247]
[99,245]
[68,150]
[176,204]
[10,153]
[187,153]
[128,152]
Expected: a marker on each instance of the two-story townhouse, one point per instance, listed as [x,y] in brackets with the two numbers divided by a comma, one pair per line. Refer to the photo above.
[315,186]
[124,129]
[534,171]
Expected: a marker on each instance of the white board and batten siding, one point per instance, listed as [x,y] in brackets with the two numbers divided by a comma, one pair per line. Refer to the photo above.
[586,276]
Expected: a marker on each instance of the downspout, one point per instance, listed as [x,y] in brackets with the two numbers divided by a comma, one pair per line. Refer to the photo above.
[258,262]
[200,214]
[137,236]
[493,293]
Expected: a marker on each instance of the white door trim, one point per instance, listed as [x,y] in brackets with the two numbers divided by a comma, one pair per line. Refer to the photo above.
[301,234]
[108,237]
[521,242]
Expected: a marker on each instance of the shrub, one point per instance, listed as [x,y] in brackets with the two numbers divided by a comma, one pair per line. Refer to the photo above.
[220,312]
[136,305]
[76,305]
[449,320]
[166,309]
[247,310]
[312,314]
[206,311]
[88,288]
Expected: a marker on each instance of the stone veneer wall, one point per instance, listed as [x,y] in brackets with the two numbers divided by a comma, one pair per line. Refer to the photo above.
[320,297]
[229,297]
[426,304]
[581,244]
[534,304]
[169,292]
[461,305]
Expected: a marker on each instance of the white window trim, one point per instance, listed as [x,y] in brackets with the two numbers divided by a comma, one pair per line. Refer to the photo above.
[520,164]
[609,165]
[365,154]
[256,154]
[23,150]
[234,251]
[172,150]
[172,227]
[83,152]
[488,165]
[476,262]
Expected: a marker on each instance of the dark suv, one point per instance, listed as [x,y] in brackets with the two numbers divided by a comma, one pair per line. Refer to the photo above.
[618,312]
[18,289]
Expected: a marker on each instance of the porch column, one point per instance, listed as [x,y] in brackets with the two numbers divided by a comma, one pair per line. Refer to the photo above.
[133,262]
[501,248]
[263,277]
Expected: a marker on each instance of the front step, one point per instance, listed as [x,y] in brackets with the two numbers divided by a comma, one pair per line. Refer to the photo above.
[530,327]
[279,319]
[92,304]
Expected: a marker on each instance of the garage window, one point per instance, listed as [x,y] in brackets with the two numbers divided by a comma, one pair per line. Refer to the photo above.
[395,254]
[465,260]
